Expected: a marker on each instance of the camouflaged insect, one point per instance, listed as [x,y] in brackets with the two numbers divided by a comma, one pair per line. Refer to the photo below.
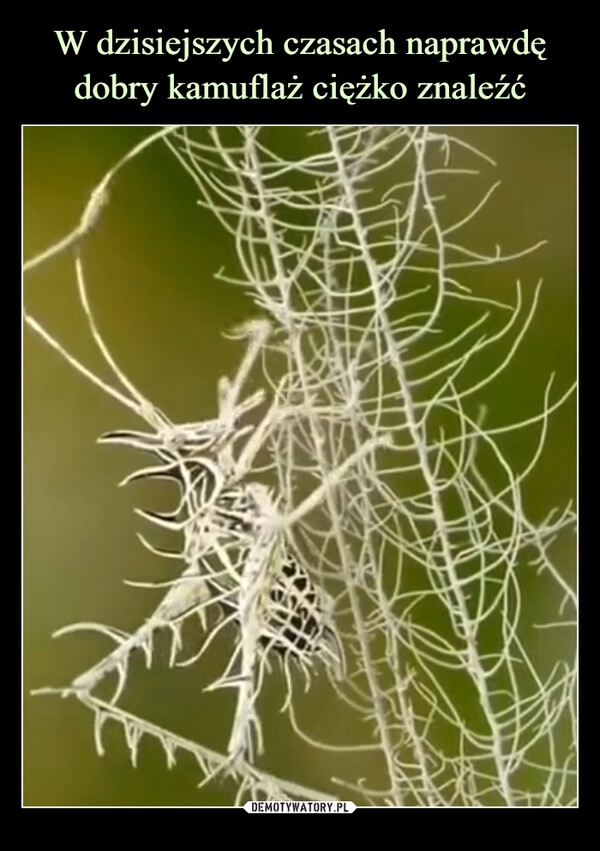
[215,515]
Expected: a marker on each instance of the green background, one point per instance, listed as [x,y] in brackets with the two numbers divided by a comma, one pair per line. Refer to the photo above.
[150,267]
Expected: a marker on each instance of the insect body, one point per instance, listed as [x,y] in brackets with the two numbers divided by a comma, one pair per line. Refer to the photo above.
[220,521]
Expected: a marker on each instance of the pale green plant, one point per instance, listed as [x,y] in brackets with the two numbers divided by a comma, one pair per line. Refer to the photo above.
[384,477]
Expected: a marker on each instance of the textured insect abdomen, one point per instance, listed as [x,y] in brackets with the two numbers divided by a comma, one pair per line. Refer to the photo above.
[296,612]
[299,620]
